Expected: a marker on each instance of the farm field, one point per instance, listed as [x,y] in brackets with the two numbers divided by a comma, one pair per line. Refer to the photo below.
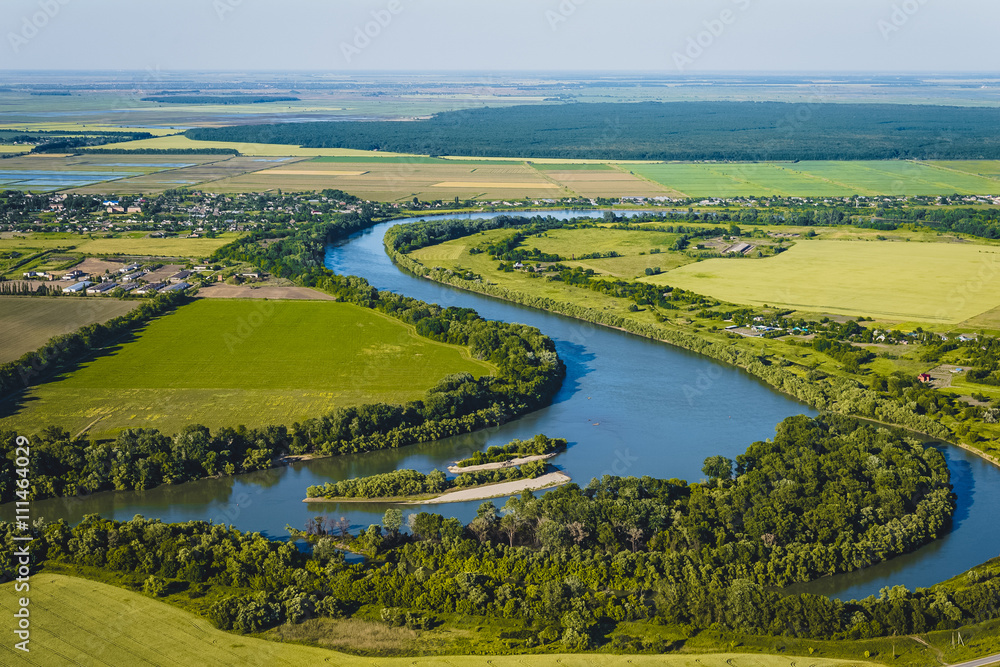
[100,624]
[817,179]
[250,149]
[187,176]
[148,247]
[26,323]
[401,179]
[46,173]
[224,362]
[924,282]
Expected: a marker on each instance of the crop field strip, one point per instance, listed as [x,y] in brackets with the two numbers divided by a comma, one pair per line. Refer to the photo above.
[224,362]
[90,623]
[27,323]
[922,282]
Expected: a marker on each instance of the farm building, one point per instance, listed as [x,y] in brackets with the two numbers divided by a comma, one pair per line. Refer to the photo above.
[176,287]
[179,277]
[102,288]
[78,287]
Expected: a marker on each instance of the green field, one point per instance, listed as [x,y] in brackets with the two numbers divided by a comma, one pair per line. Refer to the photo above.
[568,243]
[134,244]
[26,323]
[230,362]
[823,178]
[82,622]
[925,282]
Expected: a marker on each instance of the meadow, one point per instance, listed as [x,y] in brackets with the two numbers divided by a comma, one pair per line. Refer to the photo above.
[100,624]
[227,362]
[27,323]
[926,282]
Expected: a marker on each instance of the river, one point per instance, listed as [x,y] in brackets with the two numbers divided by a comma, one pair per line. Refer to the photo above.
[629,406]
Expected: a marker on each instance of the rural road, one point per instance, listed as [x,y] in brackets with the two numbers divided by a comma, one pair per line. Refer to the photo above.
[979,662]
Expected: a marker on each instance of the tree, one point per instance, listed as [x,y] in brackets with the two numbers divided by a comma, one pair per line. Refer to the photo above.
[392,520]
[718,468]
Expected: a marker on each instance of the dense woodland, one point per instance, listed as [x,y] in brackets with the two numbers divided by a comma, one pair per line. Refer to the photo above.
[727,131]
[824,496]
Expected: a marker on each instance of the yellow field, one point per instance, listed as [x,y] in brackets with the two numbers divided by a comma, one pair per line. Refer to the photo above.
[82,622]
[925,282]
[259,150]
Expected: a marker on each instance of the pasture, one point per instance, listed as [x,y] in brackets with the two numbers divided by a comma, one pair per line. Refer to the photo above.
[943,283]
[222,362]
[26,323]
[100,624]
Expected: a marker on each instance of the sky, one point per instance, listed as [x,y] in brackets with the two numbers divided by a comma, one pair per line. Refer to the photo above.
[502,35]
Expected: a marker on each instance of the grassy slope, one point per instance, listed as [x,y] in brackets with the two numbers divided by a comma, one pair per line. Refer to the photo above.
[26,323]
[218,363]
[92,623]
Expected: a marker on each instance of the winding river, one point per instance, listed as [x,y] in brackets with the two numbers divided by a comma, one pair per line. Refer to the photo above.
[629,406]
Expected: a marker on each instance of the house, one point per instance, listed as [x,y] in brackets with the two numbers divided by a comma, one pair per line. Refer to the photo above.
[73,275]
[925,377]
[77,288]
[102,288]
[179,276]
[965,338]
[130,268]
[37,274]
[176,287]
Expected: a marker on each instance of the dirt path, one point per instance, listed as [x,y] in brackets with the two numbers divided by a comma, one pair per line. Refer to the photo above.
[499,490]
[501,464]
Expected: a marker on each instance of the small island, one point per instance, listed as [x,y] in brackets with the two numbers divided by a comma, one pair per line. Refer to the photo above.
[486,475]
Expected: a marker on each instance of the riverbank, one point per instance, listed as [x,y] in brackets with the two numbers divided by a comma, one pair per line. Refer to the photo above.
[483,492]
[841,393]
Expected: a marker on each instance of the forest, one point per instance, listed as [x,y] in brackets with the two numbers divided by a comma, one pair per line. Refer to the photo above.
[725,131]
[825,495]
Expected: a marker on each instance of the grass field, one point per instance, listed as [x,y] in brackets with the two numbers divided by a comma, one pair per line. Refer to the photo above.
[77,621]
[228,362]
[925,282]
[821,179]
[26,323]
[146,247]
[130,245]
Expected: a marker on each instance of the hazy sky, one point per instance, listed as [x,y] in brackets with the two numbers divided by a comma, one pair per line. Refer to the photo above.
[658,35]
